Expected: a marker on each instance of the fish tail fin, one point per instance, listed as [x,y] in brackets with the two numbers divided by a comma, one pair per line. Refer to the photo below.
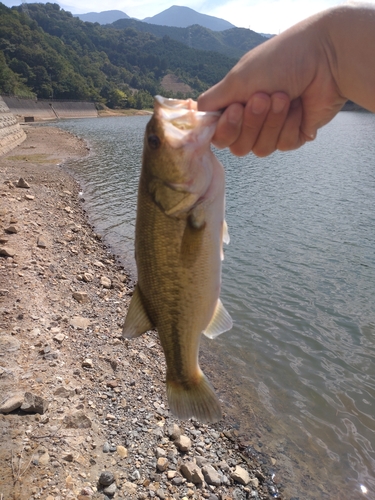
[197,399]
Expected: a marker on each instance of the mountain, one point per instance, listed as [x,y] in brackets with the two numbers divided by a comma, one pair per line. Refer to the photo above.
[182,17]
[104,17]
[46,51]
[232,42]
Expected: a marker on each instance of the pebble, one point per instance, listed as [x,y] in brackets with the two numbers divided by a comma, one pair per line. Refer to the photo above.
[44,459]
[160,452]
[41,241]
[87,363]
[110,490]
[192,472]
[21,183]
[105,282]
[174,431]
[162,464]
[106,447]
[11,230]
[160,493]
[183,443]
[80,297]
[59,338]
[211,475]
[240,475]
[106,478]
[80,323]
[122,451]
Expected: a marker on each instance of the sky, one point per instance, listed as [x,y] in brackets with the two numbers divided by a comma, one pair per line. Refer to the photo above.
[262,16]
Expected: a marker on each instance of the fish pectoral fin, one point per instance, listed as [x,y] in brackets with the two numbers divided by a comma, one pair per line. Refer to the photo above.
[137,320]
[171,200]
[226,238]
[220,322]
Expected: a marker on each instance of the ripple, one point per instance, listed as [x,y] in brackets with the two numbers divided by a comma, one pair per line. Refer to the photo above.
[298,280]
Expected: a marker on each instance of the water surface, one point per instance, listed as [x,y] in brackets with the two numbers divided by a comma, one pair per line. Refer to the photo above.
[298,280]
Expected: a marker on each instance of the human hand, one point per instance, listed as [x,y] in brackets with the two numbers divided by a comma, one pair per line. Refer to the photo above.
[290,73]
[264,124]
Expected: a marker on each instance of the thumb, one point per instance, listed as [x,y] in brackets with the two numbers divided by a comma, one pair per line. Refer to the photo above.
[217,97]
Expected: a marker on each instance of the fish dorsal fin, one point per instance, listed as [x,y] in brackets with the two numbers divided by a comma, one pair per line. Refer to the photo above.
[137,320]
[226,238]
[220,322]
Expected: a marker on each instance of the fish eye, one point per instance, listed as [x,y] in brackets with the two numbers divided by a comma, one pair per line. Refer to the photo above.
[153,141]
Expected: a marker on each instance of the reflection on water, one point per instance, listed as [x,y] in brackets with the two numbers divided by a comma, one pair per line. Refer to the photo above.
[298,281]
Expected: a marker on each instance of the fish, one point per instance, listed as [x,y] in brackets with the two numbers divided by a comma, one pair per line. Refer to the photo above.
[179,235]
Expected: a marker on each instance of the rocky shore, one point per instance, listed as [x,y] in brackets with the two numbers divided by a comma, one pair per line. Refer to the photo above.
[83,413]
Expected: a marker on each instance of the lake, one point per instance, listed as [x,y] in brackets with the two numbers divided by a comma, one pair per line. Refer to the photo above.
[298,281]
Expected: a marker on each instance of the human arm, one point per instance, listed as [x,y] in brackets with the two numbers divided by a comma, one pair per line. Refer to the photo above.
[317,64]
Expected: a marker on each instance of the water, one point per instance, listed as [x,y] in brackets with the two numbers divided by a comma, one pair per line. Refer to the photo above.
[298,280]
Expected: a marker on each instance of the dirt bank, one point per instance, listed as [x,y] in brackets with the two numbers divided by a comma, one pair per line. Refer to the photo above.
[83,414]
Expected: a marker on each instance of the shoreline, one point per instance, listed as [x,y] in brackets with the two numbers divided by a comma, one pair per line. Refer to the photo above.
[98,402]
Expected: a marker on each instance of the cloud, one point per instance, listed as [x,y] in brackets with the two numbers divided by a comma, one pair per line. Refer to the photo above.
[270,16]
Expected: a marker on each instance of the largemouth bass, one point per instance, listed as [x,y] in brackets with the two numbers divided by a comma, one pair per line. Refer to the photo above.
[180,229]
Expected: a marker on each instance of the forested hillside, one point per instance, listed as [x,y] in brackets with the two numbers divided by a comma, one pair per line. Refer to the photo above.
[46,52]
[232,42]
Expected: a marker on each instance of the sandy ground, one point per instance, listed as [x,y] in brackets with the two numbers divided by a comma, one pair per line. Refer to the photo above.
[83,413]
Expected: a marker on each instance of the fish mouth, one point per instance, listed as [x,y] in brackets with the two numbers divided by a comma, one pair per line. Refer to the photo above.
[183,123]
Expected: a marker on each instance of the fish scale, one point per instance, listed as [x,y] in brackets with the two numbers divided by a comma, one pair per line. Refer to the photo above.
[178,246]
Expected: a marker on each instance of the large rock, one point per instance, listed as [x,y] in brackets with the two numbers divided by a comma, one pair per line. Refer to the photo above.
[34,404]
[211,475]
[7,252]
[192,472]
[12,403]
[77,420]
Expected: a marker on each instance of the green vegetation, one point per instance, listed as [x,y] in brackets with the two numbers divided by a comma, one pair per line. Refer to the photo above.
[46,52]
[233,42]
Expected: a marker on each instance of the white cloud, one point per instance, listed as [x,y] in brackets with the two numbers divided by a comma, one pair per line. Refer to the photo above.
[270,16]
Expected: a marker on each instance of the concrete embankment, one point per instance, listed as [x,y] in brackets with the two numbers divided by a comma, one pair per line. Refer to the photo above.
[39,109]
[11,134]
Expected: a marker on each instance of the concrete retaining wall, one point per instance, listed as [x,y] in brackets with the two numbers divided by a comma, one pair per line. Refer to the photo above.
[11,133]
[50,110]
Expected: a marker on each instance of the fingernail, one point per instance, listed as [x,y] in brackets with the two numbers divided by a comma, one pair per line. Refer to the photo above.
[259,105]
[278,105]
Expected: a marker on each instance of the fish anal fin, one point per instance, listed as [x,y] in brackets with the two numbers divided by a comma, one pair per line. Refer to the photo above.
[137,320]
[197,400]
[220,322]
